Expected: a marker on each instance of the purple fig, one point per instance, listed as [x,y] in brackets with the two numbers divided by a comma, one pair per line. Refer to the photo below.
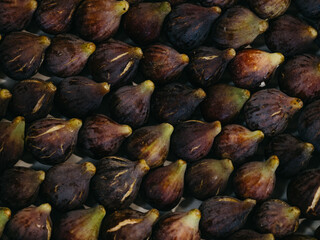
[269,9]
[247,234]
[5,97]
[219,3]
[309,8]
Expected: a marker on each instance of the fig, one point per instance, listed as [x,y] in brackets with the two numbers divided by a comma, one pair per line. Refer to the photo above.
[67,55]
[237,27]
[100,136]
[289,35]
[269,9]
[5,97]
[32,99]
[22,53]
[193,139]
[163,187]
[143,22]
[253,68]
[298,237]
[5,215]
[150,143]
[256,180]
[223,103]
[188,25]
[208,177]
[219,3]
[317,233]
[175,102]
[269,110]
[247,234]
[309,8]
[52,140]
[117,181]
[178,225]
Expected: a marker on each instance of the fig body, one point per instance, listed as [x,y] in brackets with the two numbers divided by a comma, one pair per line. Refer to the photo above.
[309,8]
[220,3]
[269,9]
[247,234]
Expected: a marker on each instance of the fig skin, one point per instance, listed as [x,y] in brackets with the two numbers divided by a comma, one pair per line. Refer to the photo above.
[22,53]
[208,177]
[220,3]
[247,234]
[66,186]
[253,68]
[52,140]
[143,21]
[188,25]
[100,136]
[237,27]
[317,233]
[309,8]
[19,186]
[128,224]
[269,110]
[298,237]
[117,181]
[193,139]
[67,55]
[32,99]
[5,98]
[269,9]
[298,35]
[79,96]
[5,215]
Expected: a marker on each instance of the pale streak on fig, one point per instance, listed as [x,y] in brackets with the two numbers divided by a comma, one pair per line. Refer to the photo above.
[120,56]
[124,223]
[276,113]
[38,105]
[208,57]
[55,128]
[129,64]
[119,174]
[12,60]
[315,201]
[129,191]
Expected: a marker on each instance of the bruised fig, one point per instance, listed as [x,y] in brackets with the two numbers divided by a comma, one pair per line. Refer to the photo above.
[208,177]
[188,25]
[78,96]
[247,234]
[5,215]
[237,27]
[162,64]
[5,97]
[128,224]
[178,225]
[175,102]
[269,110]
[269,9]
[219,3]
[221,216]
[52,140]
[67,55]
[22,53]
[298,237]
[150,143]
[289,35]
[253,68]
[163,187]
[32,99]
[193,139]
[143,22]
[309,8]
[117,181]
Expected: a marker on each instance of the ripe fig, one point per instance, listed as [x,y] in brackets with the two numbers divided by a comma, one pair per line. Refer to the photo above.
[269,9]
[247,234]
[5,215]
[219,3]
[309,8]
[5,97]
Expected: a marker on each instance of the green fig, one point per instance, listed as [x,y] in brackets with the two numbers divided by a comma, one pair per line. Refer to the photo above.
[5,215]
[5,97]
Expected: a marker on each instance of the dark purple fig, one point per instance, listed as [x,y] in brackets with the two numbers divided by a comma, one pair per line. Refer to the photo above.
[269,9]
[163,187]
[175,102]
[115,62]
[67,55]
[143,22]
[207,65]
[117,181]
[52,140]
[222,216]
[317,233]
[247,234]
[150,143]
[237,143]
[81,224]
[256,180]
[188,25]
[193,139]
[79,96]
[22,53]
[5,97]
[223,103]
[309,8]
[5,215]
[32,99]
[253,68]
[289,35]
[237,27]
[100,136]
[11,142]
[277,217]
[208,177]
[128,224]
[178,225]
[269,110]
[19,186]
[66,185]
[293,154]
[298,237]
[131,104]
[219,3]
[98,20]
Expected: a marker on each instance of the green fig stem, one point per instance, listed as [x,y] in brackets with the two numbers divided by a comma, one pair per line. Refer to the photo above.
[230,53]
[105,88]
[296,104]
[75,124]
[263,26]
[216,127]
[5,213]
[167,129]
[276,58]
[46,208]
[200,93]
[294,212]
[89,48]
[51,87]
[5,94]
[41,175]
[45,41]
[152,215]
[216,9]
[227,164]
[246,93]
[192,218]
[121,7]
[89,168]
[146,86]
[19,126]
[308,147]
[33,5]
[250,202]
[272,163]
[313,32]
[137,52]
[257,135]
[184,58]
[165,8]
[126,130]
[143,166]
[180,166]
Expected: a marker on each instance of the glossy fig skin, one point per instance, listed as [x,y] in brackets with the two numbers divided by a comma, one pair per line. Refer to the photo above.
[269,110]
[220,3]
[117,181]
[22,53]
[222,216]
[19,186]
[188,25]
[5,215]
[269,9]
[247,234]
[5,97]
[309,8]
[32,99]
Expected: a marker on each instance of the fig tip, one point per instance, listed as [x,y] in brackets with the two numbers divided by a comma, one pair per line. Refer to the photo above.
[7,212]
[89,48]
[273,162]
[148,85]
[143,165]
[138,52]
[33,5]
[121,7]
[51,87]
[297,103]
[5,94]
[90,167]
[75,123]
[309,147]
[42,175]
[195,212]
[46,207]
[200,93]
[44,40]
[216,9]
[313,32]
[185,58]
[105,87]
[263,26]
